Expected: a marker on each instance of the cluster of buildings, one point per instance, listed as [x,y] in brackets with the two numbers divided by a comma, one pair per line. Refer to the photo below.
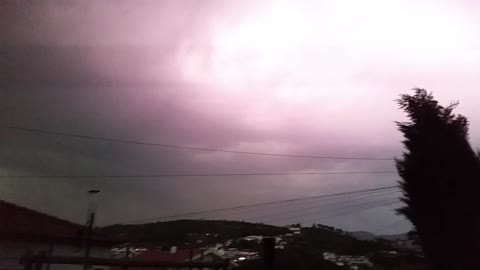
[353,262]
[218,251]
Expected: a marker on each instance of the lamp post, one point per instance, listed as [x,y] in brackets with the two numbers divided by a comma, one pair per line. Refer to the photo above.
[91,210]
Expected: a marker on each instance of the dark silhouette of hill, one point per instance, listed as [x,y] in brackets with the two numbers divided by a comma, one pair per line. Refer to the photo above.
[363,235]
[340,242]
[183,231]
[394,237]
[214,231]
[367,236]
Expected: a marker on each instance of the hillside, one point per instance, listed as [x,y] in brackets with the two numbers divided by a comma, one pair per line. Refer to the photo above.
[189,231]
[367,236]
[205,232]
[394,237]
[363,235]
[305,250]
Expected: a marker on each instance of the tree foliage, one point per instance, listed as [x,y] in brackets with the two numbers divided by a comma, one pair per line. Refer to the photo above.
[440,177]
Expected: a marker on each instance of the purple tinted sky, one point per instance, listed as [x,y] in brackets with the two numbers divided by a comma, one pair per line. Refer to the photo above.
[306,77]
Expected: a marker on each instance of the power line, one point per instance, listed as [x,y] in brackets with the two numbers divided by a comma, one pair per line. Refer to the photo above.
[369,206]
[325,205]
[353,212]
[114,140]
[282,205]
[262,204]
[332,210]
[307,202]
[195,175]
[256,205]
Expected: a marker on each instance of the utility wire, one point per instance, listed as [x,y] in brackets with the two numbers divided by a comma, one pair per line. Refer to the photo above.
[304,202]
[325,205]
[255,205]
[283,205]
[114,140]
[353,212]
[195,175]
[389,200]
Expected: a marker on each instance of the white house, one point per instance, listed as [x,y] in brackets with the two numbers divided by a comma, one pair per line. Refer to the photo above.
[25,230]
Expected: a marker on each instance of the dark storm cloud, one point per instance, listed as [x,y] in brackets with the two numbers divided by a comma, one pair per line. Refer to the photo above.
[64,76]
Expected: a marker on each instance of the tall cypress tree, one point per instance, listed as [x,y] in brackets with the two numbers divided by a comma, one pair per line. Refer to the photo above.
[440,177]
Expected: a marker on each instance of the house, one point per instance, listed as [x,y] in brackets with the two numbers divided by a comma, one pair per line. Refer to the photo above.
[175,255]
[295,230]
[25,230]
[255,238]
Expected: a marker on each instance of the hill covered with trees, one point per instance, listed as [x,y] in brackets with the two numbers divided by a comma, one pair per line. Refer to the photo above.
[179,232]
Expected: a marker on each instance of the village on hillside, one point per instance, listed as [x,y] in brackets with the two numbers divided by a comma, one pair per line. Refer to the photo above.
[28,233]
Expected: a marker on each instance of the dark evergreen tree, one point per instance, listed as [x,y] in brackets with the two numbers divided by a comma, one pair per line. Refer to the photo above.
[440,179]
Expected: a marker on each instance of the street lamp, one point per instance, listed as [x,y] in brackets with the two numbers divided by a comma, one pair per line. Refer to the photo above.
[92,205]
[91,210]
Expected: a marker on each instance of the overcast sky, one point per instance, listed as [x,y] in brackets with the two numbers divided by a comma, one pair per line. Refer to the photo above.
[290,77]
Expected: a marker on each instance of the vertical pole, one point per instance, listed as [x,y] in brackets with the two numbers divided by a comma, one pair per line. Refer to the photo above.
[127,253]
[39,263]
[27,265]
[50,253]
[88,240]
[38,266]
[202,257]
[27,260]
[92,208]
[127,256]
[268,253]
[191,258]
